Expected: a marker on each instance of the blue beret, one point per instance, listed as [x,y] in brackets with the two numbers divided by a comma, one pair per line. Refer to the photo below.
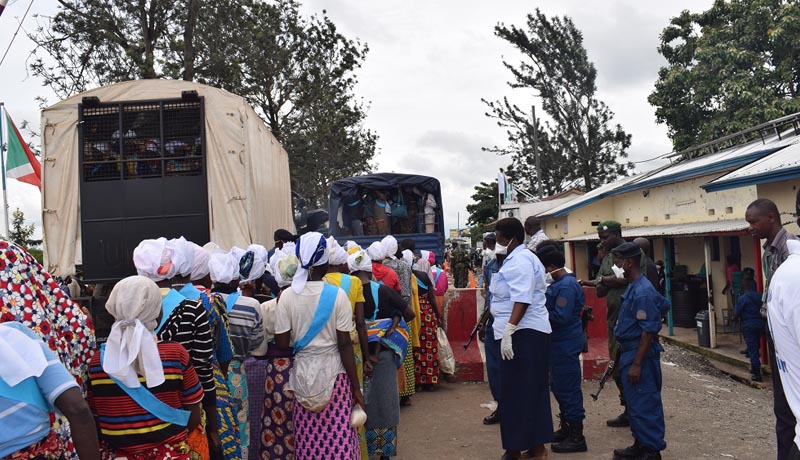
[627,250]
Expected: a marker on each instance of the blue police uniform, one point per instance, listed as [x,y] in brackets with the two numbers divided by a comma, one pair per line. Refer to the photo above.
[491,345]
[640,312]
[748,307]
[564,304]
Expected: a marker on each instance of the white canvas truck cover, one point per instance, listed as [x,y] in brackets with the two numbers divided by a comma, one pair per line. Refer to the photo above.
[249,190]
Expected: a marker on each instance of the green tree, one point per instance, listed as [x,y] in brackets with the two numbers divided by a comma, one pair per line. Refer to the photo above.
[20,233]
[580,145]
[485,205]
[297,71]
[728,68]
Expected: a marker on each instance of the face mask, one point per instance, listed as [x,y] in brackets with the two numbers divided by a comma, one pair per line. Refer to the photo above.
[490,254]
[500,250]
[548,277]
[620,272]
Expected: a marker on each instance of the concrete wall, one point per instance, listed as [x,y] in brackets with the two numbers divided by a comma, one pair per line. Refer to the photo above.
[783,194]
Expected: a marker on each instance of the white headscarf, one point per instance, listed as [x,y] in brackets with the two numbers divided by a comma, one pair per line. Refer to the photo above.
[338,256]
[389,246]
[135,304]
[311,252]
[182,255]
[359,262]
[223,267]
[376,252]
[285,269]
[256,267]
[22,354]
[262,254]
[200,265]
[408,257]
[153,259]
[350,245]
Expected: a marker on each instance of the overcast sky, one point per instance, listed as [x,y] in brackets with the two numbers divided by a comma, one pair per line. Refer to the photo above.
[428,67]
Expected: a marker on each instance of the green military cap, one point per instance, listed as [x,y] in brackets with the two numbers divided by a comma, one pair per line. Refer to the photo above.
[609,225]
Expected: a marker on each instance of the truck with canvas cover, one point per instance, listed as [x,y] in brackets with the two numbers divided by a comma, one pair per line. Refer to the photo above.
[151,158]
[408,206]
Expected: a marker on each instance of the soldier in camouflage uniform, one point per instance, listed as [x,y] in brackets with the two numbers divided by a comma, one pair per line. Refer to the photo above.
[460,260]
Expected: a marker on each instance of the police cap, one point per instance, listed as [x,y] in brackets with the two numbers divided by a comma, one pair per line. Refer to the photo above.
[608,225]
[627,250]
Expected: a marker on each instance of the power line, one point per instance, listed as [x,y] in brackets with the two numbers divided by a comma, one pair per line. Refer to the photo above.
[19,26]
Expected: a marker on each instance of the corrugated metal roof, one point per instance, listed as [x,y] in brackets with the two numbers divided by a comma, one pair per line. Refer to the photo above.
[781,165]
[690,229]
[708,164]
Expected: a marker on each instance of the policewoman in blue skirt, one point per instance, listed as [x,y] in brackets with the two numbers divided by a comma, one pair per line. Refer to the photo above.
[521,324]
[639,358]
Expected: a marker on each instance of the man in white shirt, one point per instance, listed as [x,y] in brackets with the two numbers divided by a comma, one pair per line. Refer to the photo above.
[533,228]
[783,313]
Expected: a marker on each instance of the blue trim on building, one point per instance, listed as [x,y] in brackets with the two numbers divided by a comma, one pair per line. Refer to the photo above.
[754,179]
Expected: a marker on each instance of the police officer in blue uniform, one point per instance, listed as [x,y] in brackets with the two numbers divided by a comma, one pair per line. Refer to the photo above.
[748,309]
[564,302]
[639,357]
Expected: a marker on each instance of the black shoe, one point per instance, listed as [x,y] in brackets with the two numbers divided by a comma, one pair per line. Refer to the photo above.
[575,441]
[744,352]
[649,454]
[620,422]
[491,419]
[509,456]
[630,452]
[756,376]
[562,433]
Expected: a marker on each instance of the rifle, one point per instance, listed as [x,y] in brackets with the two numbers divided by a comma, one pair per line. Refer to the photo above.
[481,322]
[608,372]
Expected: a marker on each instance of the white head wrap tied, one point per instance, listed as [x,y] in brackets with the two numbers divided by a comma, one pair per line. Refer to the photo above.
[135,304]
[261,253]
[338,256]
[200,264]
[360,261]
[389,246]
[376,251]
[182,255]
[350,245]
[224,267]
[22,355]
[311,252]
[153,259]
[408,257]
[285,269]
[258,265]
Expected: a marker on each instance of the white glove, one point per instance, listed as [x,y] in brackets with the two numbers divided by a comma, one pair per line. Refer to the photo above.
[506,347]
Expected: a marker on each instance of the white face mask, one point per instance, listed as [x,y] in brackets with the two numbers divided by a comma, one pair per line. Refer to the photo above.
[500,250]
[489,253]
[548,277]
[620,272]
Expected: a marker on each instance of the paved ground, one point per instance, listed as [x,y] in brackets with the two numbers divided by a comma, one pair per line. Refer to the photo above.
[708,416]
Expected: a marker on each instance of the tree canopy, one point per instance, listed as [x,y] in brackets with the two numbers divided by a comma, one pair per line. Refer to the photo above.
[579,145]
[20,233]
[299,72]
[728,68]
[485,204]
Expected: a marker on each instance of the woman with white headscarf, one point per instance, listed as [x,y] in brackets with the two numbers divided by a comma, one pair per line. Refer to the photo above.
[246,332]
[338,275]
[134,366]
[184,321]
[276,439]
[318,318]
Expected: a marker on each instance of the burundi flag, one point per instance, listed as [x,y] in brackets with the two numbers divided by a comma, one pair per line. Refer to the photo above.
[21,164]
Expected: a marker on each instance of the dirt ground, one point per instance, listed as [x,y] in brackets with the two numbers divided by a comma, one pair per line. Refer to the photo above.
[708,415]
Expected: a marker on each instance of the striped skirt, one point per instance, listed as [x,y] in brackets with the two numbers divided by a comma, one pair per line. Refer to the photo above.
[327,434]
[256,376]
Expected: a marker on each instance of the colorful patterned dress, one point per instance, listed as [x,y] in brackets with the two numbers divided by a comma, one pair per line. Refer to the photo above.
[277,431]
[32,297]
[426,357]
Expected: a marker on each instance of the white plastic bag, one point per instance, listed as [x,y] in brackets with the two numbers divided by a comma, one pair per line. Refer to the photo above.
[447,362]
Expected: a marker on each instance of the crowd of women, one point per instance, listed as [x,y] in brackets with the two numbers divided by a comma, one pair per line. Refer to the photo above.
[303,352]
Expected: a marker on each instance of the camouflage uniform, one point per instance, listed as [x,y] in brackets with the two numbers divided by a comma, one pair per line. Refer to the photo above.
[460,260]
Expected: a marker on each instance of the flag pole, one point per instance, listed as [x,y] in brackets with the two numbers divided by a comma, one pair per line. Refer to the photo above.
[4,141]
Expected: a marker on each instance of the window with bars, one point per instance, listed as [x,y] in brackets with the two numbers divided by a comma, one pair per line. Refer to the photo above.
[141,140]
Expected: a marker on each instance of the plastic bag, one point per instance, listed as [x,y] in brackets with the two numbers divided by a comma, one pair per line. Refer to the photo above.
[447,362]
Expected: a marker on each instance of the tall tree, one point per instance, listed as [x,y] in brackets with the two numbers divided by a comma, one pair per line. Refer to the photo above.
[485,205]
[20,233]
[730,67]
[581,144]
[297,71]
